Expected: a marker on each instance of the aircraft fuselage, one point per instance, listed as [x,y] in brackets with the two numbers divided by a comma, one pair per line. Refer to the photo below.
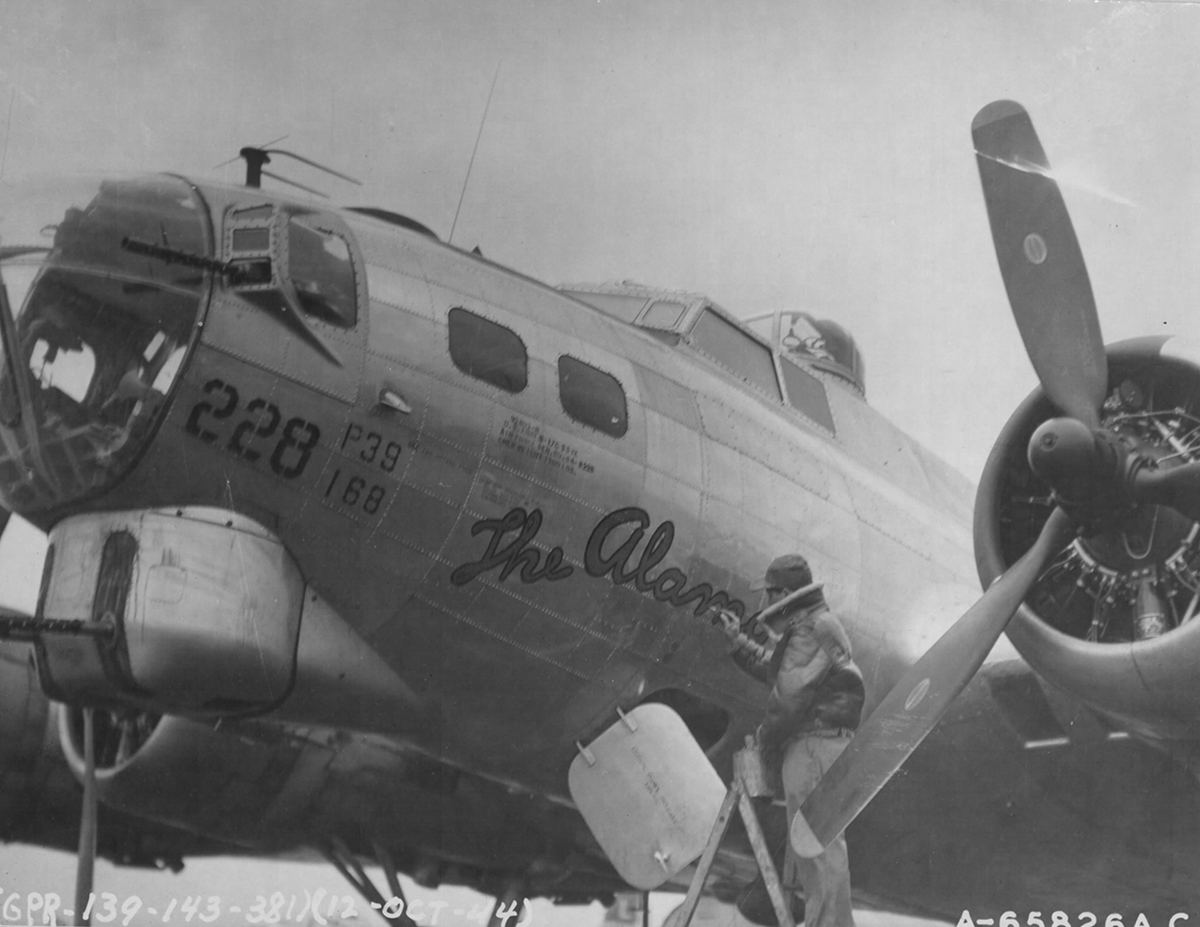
[528,570]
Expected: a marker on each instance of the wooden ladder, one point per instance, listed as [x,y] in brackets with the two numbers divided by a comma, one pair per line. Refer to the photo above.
[748,782]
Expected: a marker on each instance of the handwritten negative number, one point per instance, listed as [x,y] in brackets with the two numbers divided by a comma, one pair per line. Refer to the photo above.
[293,448]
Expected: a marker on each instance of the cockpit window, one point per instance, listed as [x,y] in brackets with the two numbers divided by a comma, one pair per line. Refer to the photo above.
[735,350]
[807,394]
[104,285]
[625,308]
[664,314]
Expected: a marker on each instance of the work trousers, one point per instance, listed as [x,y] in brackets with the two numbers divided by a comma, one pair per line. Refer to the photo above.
[825,879]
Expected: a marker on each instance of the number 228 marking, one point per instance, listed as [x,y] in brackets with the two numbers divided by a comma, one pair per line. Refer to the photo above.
[293,448]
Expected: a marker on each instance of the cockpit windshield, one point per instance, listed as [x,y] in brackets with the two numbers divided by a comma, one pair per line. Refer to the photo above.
[104,283]
[818,343]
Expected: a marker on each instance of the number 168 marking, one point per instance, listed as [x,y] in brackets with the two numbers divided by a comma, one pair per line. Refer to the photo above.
[356,494]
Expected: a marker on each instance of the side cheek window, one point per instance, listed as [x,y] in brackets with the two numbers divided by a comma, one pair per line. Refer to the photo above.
[322,273]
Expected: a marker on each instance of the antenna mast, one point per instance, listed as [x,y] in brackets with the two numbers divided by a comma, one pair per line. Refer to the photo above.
[256,156]
[471,164]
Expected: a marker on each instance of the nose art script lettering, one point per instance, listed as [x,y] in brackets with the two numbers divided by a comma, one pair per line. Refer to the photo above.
[518,552]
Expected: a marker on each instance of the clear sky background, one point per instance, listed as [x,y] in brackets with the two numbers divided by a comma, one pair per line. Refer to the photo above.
[811,155]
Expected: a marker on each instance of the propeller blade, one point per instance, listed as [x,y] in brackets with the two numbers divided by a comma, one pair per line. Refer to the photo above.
[910,711]
[1040,261]
[86,859]
[1178,487]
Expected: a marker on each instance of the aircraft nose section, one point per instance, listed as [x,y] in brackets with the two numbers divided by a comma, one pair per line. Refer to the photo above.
[103,285]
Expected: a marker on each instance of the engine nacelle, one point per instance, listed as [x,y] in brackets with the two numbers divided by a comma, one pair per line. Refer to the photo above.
[1113,620]
[274,788]
[203,605]
[26,736]
[40,795]
[208,616]
[193,775]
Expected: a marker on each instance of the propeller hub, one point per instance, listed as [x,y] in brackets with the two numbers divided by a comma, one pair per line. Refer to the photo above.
[1076,461]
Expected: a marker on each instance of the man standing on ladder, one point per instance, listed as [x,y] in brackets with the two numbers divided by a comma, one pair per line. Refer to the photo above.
[812,712]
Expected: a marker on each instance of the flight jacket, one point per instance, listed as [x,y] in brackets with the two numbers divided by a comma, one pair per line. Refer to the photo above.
[816,687]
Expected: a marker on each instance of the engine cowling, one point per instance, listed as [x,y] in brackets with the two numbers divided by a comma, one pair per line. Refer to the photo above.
[276,788]
[40,796]
[1113,620]
[194,775]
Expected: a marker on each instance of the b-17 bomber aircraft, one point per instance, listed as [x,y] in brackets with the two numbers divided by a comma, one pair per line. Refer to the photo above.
[357,540]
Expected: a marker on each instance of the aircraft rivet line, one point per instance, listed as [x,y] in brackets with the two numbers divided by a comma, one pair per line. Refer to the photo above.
[535,606]
[392,304]
[790,476]
[500,637]
[674,477]
[512,471]
[293,376]
[381,529]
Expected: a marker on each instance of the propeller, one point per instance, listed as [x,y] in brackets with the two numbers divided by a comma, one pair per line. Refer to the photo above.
[1052,303]
[1055,311]
[916,703]
[1040,260]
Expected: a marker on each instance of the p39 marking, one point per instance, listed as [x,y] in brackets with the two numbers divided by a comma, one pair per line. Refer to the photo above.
[357,482]
[371,446]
